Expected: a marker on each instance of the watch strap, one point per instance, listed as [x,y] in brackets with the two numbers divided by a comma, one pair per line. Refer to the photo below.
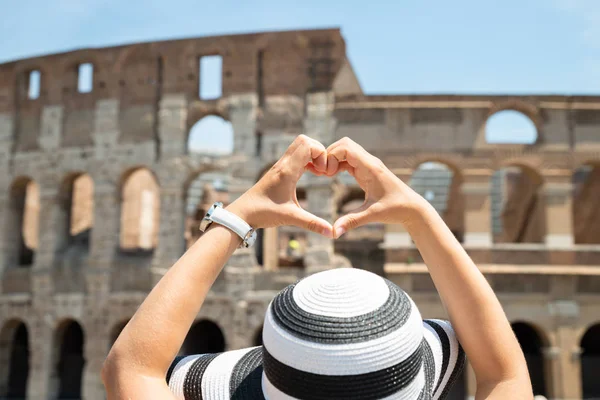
[231,221]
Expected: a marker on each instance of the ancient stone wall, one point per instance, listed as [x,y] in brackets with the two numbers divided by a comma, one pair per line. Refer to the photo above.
[93,195]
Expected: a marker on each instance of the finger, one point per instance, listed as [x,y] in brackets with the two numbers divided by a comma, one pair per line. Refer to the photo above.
[348,150]
[303,219]
[305,150]
[355,218]
[311,168]
[332,165]
[344,166]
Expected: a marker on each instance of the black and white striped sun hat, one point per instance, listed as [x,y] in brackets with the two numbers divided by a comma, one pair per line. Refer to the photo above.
[340,334]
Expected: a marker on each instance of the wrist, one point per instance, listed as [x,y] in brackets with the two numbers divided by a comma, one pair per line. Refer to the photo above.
[241,208]
[422,214]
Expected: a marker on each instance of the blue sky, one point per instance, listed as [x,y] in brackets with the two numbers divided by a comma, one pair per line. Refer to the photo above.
[395,46]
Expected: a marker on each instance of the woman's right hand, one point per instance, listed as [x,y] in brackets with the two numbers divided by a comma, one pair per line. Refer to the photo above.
[387,199]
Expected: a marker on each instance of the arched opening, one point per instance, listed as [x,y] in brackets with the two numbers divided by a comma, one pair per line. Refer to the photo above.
[69,368]
[203,192]
[212,135]
[518,209]
[532,344]
[140,211]
[586,213]
[204,337]
[14,348]
[441,186]
[590,362]
[510,127]
[21,229]
[77,209]
[258,339]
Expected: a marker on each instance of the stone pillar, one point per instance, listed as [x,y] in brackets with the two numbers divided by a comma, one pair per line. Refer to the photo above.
[104,240]
[566,382]
[395,234]
[172,129]
[558,193]
[564,379]
[51,238]
[52,230]
[552,370]
[271,249]
[41,366]
[476,190]
[106,128]
[171,235]
[242,114]
[95,352]
[6,146]
[320,123]
[321,203]
[7,246]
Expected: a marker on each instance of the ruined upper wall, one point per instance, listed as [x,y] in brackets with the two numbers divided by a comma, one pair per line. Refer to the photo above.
[457,123]
[293,62]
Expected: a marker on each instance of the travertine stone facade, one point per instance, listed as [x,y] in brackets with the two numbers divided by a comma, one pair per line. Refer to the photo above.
[274,86]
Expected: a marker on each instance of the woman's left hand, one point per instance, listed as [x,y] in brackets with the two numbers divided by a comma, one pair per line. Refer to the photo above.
[272,200]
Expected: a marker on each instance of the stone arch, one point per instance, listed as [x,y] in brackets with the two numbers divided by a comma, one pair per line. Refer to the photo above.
[76,206]
[518,208]
[69,361]
[140,210]
[14,357]
[440,183]
[533,341]
[590,362]
[515,114]
[205,336]
[586,213]
[212,134]
[21,224]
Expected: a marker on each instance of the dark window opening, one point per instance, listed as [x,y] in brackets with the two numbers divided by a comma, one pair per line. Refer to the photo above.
[19,364]
[204,337]
[531,344]
[259,141]
[259,79]
[590,363]
[71,362]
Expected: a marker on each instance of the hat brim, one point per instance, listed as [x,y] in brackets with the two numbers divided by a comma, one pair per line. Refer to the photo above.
[239,374]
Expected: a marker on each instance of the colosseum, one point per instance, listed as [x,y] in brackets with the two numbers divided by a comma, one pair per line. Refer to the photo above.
[101,192]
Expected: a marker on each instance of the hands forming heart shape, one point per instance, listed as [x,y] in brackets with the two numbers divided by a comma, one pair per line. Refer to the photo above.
[272,200]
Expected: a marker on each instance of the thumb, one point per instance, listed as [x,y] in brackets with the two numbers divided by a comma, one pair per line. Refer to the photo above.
[303,219]
[355,218]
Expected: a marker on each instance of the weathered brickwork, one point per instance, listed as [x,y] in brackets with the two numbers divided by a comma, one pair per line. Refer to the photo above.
[96,241]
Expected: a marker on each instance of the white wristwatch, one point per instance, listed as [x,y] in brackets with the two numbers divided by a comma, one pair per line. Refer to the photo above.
[216,213]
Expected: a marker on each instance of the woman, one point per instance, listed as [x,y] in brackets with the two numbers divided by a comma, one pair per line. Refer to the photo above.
[141,357]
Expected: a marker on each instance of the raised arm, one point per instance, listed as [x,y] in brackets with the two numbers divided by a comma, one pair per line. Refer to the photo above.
[138,361]
[475,312]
